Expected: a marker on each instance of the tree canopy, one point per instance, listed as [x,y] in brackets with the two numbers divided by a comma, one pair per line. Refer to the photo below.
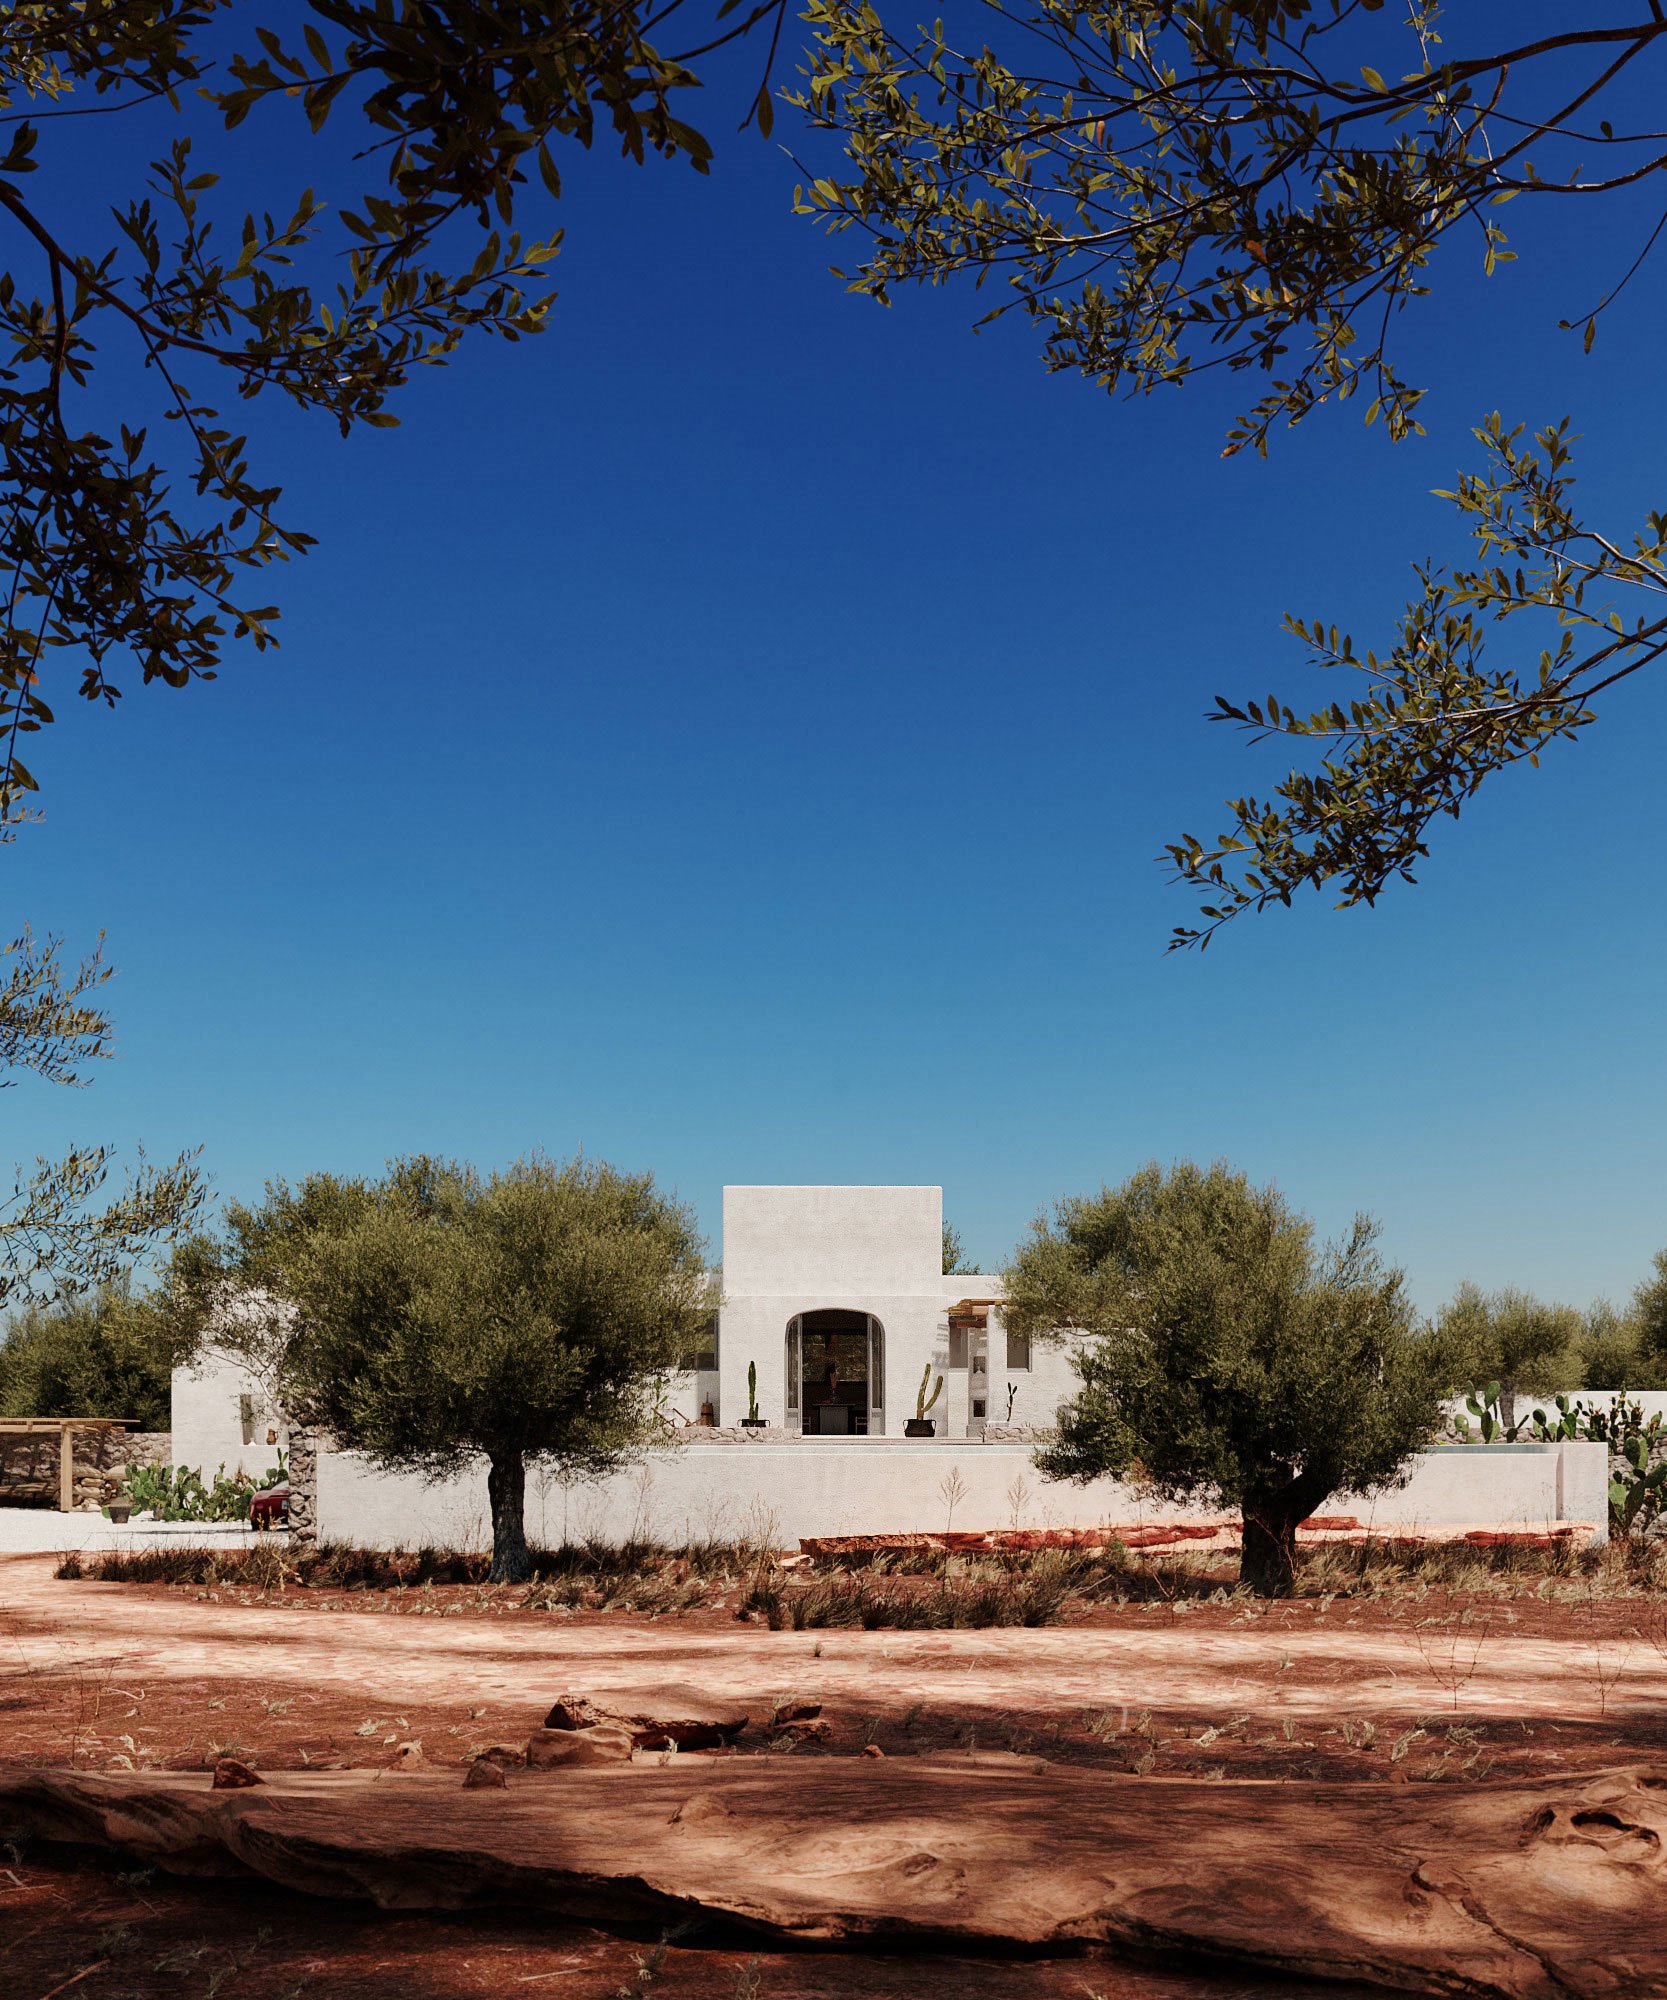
[233,1288]
[1525,1344]
[1169,188]
[1172,188]
[1229,1357]
[108,1353]
[60,1231]
[526,1315]
[1649,1312]
[138,517]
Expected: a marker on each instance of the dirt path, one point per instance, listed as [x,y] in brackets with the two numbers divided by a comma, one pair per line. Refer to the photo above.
[118,1677]
[1212,1662]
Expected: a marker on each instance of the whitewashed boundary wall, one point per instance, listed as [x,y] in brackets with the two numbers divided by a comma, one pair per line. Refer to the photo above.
[856,1486]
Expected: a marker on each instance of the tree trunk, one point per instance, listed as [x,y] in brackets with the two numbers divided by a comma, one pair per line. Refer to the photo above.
[506,1491]
[1268,1532]
[1268,1552]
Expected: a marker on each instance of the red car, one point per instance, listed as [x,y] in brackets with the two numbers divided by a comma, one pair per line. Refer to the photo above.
[270,1508]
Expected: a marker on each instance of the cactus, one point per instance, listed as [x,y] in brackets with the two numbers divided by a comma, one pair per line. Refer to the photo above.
[1637,1468]
[924,1403]
[752,1390]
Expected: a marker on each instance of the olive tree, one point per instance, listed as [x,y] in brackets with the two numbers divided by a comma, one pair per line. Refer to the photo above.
[1229,1356]
[106,1353]
[232,1289]
[63,1227]
[1649,1312]
[249,255]
[523,1316]
[1612,1352]
[1525,1344]
[955,1262]
[1265,191]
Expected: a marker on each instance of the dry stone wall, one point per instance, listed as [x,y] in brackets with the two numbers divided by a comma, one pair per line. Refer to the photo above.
[29,1464]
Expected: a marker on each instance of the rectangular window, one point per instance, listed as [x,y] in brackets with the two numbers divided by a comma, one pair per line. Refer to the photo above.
[957,1347]
[977,1408]
[1018,1351]
[705,1355]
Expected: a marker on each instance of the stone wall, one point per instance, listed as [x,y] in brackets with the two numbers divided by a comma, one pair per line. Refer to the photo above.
[29,1465]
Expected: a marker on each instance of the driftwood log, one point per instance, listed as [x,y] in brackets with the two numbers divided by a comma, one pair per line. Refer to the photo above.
[1533,1890]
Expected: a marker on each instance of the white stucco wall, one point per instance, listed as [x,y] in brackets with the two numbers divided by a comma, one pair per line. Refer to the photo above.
[885,1240]
[792,1250]
[207,1418]
[875,1250]
[809,1486]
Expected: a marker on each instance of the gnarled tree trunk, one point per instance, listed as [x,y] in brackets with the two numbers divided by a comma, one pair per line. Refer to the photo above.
[506,1490]
[1269,1521]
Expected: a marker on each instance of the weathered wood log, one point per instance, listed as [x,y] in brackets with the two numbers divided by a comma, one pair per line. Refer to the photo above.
[1533,1890]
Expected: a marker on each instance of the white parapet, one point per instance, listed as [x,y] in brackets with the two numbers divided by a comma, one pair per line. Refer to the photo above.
[785,1490]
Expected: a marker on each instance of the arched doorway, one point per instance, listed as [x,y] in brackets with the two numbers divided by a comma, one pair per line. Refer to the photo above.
[836,1374]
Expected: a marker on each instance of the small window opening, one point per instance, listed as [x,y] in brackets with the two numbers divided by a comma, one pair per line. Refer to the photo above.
[1018,1351]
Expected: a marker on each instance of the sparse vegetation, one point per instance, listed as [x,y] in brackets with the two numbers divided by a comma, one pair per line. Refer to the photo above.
[1031,1591]
[922,1588]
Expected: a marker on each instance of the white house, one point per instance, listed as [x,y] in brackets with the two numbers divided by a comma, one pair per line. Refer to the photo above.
[836,1297]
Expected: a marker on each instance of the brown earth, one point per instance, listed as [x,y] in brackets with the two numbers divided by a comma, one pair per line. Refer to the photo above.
[1531,1891]
[1427,1684]
[136,1935]
[1431,1686]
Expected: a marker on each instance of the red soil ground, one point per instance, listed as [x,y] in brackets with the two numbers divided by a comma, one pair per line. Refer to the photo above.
[1420,1686]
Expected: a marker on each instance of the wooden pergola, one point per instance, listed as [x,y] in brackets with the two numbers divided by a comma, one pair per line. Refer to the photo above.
[64,1429]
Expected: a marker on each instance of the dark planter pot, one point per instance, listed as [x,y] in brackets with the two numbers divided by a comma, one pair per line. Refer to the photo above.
[920,1427]
[119,1510]
[754,1424]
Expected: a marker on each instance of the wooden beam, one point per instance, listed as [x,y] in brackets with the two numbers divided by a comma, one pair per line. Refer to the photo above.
[66,1469]
[50,1426]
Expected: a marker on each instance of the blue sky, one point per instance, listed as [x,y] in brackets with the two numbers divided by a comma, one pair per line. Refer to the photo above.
[733,735]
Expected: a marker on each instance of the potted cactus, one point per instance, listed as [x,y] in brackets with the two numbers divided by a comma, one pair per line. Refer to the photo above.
[752,1421]
[920,1425]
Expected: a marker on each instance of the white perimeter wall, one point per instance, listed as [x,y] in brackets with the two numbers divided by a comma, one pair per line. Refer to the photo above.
[852,1486]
